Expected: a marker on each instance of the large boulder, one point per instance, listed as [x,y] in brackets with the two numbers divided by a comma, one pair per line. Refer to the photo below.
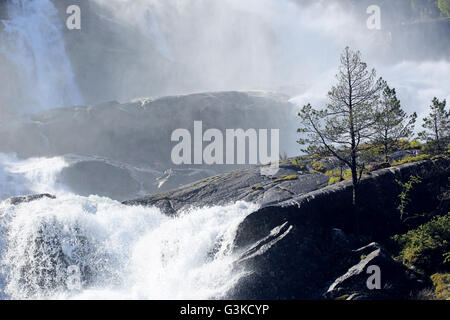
[247,184]
[359,282]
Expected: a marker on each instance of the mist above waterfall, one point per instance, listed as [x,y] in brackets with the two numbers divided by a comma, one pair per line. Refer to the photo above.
[128,49]
[288,46]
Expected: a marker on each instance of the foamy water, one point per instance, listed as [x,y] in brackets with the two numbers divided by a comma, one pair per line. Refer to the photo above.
[77,247]
[30,176]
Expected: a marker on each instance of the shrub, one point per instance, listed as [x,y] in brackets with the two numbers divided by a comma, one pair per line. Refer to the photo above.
[372,154]
[318,167]
[426,247]
[414,144]
[332,173]
[411,159]
[334,180]
[404,144]
[336,176]
[347,174]
[404,195]
[299,163]
[441,283]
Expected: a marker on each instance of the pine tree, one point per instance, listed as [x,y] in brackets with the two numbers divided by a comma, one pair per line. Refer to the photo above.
[436,126]
[392,122]
[444,5]
[349,118]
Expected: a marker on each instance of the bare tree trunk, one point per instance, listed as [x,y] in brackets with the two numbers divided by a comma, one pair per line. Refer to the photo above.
[354,169]
[353,151]
[436,131]
[386,153]
[355,191]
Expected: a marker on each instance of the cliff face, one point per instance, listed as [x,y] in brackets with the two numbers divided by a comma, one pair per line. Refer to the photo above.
[303,238]
[129,144]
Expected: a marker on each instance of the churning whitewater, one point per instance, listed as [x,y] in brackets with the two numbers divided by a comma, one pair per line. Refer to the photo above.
[96,248]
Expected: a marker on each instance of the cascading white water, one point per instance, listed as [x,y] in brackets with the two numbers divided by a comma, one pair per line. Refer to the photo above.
[32,40]
[30,176]
[108,250]
[117,252]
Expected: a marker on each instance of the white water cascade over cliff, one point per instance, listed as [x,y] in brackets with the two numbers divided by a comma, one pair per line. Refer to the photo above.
[75,247]
[32,41]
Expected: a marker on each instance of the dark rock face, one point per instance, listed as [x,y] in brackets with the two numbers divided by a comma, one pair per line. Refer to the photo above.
[307,194]
[300,263]
[24,199]
[243,184]
[300,242]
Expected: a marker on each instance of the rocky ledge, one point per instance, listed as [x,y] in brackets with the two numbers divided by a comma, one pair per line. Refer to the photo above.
[303,242]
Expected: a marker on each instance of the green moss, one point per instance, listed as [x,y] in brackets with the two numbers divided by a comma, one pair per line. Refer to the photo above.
[336,176]
[411,159]
[405,144]
[347,174]
[439,156]
[287,178]
[414,144]
[299,163]
[318,167]
[257,188]
[441,283]
[334,180]
[331,173]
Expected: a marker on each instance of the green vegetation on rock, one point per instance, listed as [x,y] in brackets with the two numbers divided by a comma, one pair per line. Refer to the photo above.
[426,248]
[441,283]
[404,195]
[299,163]
[319,167]
[338,176]
[287,178]
[444,6]
[411,159]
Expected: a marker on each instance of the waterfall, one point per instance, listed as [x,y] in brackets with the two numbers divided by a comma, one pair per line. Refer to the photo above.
[94,248]
[32,40]
[75,247]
